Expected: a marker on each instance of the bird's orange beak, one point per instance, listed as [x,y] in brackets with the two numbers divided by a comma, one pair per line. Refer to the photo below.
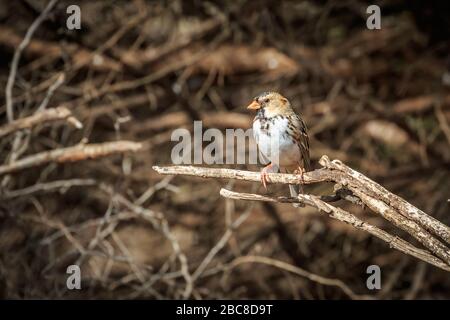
[254,105]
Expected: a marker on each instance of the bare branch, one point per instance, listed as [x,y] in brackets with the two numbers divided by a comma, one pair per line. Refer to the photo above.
[320,175]
[360,182]
[334,171]
[71,154]
[59,185]
[353,187]
[298,271]
[51,90]
[49,115]
[344,216]
[16,58]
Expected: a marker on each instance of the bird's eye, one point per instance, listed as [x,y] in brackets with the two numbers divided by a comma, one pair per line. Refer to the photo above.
[266,100]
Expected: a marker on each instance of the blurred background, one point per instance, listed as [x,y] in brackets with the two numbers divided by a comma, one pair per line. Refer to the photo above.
[378,100]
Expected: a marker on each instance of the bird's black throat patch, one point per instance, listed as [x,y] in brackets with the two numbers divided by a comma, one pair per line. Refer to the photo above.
[260,114]
[264,121]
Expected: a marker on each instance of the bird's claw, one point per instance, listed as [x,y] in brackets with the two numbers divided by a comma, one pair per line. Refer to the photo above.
[264,179]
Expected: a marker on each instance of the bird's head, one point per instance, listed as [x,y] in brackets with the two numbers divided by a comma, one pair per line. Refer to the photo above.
[271,102]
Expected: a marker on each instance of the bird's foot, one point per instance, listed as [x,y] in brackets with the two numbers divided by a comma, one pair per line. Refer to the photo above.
[267,169]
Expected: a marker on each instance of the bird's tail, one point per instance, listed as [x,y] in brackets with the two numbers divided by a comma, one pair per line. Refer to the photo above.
[294,190]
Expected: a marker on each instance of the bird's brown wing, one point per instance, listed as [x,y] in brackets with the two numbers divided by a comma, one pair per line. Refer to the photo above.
[301,136]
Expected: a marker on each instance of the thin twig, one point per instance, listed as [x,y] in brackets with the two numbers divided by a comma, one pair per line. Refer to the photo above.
[71,154]
[59,81]
[42,117]
[16,58]
[296,270]
[220,244]
[58,185]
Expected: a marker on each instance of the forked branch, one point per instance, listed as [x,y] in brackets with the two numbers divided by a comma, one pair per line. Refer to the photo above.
[431,233]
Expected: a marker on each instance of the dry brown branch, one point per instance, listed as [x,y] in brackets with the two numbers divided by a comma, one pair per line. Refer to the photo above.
[21,45]
[419,104]
[296,270]
[71,154]
[320,175]
[220,244]
[53,186]
[443,122]
[392,207]
[232,59]
[80,57]
[344,216]
[51,90]
[334,171]
[159,72]
[122,104]
[138,58]
[49,115]
[356,182]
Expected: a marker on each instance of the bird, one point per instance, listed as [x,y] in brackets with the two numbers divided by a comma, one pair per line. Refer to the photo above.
[281,136]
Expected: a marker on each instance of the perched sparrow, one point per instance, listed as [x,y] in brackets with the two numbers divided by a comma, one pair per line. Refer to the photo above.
[281,136]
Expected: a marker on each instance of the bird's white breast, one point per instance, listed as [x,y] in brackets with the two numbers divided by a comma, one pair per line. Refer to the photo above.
[275,143]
